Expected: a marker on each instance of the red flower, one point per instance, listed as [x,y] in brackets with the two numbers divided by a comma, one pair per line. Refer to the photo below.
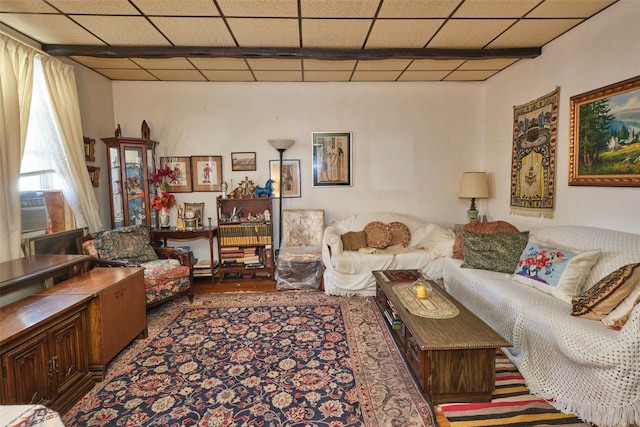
[158,177]
[166,201]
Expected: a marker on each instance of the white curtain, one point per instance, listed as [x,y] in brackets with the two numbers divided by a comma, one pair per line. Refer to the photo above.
[78,190]
[16,82]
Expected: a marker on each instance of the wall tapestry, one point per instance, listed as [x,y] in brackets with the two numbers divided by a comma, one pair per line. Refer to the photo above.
[533,160]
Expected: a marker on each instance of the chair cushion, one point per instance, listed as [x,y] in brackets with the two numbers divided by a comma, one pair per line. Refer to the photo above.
[129,244]
[164,269]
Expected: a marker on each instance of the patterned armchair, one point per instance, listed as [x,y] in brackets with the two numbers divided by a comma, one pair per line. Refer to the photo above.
[168,272]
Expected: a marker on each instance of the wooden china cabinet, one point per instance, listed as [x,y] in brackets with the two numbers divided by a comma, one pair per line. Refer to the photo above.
[131,160]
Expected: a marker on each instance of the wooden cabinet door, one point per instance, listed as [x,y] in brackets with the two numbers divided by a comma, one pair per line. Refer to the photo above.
[26,372]
[68,353]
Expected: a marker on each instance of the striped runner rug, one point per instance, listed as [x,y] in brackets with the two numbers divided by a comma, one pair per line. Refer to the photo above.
[511,405]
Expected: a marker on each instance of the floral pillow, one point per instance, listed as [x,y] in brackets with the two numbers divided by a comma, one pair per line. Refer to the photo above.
[555,270]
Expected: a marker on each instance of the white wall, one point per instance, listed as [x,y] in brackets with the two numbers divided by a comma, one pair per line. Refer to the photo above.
[600,52]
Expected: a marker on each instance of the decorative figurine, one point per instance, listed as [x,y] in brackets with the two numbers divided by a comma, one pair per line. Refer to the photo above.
[118,131]
[145,131]
[180,225]
[267,215]
[266,190]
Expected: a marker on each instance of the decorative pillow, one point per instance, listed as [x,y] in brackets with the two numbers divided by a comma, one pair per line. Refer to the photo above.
[129,244]
[619,315]
[89,248]
[480,227]
[495,252]
[378,234]
[555,270]
[605,295]
[400,234]
[618,324]
[438,242]
[353,240]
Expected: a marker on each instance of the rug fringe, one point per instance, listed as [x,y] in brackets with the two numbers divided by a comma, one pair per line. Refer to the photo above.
[543,213]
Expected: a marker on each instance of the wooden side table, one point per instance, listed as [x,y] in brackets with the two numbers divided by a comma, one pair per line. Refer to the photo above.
[209,233]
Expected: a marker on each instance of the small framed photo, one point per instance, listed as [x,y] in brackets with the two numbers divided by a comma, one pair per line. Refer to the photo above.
[604,145]
[207,173]
[180,182]
[331,159]
[245,161]
[291,178]
[89,149]
[198,209]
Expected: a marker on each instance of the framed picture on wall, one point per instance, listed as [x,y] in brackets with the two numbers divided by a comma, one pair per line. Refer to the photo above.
[245,161]
[291,174]
[604,142]
[331,159]
[180,182]
[207,173]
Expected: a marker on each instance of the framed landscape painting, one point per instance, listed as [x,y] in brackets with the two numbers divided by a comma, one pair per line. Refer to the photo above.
[331,159]
[604,145]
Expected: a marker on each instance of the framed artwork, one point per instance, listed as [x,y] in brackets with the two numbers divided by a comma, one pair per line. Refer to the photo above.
[181,181]
[245,161]
[604,142]
[94,175]
[331,159]
[291,174]
[89,149]
[198,208]
[207,173]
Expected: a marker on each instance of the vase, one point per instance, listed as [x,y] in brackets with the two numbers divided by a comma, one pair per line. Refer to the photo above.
[165,218]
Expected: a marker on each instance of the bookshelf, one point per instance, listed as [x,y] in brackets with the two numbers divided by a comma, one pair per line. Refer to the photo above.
[245,238]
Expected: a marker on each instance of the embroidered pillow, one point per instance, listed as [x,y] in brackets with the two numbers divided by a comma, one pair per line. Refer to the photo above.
[128,244]
[480,227]
[555,270]
[495,252]
[605,295]
[619,315]
[353,240]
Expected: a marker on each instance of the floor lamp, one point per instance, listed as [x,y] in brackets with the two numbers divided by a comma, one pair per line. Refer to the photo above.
[281,145]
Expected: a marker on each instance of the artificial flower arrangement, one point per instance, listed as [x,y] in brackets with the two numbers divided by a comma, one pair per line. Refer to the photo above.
[163,177]
[166,201]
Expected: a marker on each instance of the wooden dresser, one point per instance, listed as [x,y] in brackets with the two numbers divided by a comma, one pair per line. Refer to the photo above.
[116,311]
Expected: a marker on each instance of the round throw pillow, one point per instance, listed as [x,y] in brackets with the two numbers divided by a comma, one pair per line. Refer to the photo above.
[400,234]
[378,235]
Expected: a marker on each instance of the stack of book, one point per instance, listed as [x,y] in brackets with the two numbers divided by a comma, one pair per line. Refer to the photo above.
[251,258]
[231,256]
[392,317]
[202,268]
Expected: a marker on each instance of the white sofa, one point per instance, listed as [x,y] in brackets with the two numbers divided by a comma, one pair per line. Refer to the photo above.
[579,364]
[348,273]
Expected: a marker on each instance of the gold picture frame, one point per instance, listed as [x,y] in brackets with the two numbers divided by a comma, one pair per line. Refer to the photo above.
[198,208]
[89,149]
[604,146]
[207,173]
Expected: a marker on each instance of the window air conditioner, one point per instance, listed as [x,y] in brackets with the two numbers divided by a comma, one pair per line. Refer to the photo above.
[33,210]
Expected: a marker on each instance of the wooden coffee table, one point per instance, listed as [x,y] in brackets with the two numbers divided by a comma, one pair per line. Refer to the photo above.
[452,359]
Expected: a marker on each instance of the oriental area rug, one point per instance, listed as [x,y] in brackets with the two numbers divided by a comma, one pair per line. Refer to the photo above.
[511,406]
[290,358]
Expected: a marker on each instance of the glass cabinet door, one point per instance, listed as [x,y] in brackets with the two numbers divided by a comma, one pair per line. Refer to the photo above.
[151,167]
[135,175]
[116,188]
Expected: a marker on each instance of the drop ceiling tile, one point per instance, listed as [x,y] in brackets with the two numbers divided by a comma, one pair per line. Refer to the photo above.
[178,75]
[228,76]
[470,75]
[569,8]
[488,64]
[406,33]
[122,30]
[50,29]
[327,76]
[338,8]
[97,7]
[126,74]
[92,62]
[335,33]
[262,32]
[423,76]
[375,76]
[434,64]
[195,31]
[383,65]
[164,63]
[219,63]
[417,9]
[33,6]
[278,76]
[469,33]
[257,8]
[265,64]
[326,65]
[527,33]
[494,8]
[185,8]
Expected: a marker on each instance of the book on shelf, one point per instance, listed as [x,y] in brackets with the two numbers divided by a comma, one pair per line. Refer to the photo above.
[393,320]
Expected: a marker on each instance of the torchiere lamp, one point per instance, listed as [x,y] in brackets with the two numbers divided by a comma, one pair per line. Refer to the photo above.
[281,145]
[474,186]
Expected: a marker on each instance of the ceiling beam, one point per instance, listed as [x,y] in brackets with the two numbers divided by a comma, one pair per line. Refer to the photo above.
[158,52]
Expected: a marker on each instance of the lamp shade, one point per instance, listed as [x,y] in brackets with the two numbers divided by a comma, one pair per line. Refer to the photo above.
[474,185]
[281,144]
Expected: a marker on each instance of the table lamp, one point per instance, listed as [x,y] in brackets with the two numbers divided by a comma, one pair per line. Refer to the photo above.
[474,186]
